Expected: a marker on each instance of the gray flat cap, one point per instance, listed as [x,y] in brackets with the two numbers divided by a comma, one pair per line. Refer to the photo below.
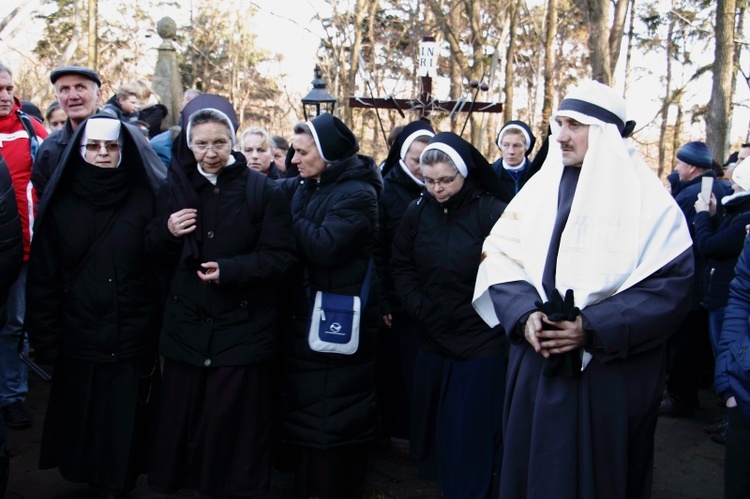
[87,73]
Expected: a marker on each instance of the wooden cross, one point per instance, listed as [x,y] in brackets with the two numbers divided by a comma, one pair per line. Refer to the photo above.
[425,103]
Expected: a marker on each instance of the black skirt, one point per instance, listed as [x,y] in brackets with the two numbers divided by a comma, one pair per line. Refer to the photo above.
[214,430]
[96,428]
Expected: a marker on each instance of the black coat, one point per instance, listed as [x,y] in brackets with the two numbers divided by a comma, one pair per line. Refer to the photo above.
[97,302]
[330,398]
[48,157]
[11,242]
[399,190]
[436,254]
[720,249]
[232,323]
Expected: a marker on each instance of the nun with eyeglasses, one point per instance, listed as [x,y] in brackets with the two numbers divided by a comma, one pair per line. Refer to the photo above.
[459,377]
[330,412]
[94,307]
[226,233]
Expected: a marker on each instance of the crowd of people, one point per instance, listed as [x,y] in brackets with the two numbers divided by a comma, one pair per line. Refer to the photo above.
[214,303]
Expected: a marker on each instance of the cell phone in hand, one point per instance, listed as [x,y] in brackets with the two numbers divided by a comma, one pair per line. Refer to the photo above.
[707,184]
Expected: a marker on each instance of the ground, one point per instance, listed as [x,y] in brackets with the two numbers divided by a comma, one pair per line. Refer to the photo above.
[687,464]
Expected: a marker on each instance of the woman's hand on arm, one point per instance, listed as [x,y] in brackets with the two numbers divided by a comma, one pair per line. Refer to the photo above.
[182,222]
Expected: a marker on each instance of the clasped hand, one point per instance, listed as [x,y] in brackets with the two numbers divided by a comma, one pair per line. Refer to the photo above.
[546,342]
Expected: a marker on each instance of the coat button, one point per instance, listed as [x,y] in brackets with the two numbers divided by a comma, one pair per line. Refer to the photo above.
[109,280]
[210,234]
[175,298]
[207,362]
[243,304]
[217,190]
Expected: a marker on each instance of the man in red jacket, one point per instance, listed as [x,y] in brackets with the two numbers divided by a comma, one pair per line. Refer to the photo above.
[16,148]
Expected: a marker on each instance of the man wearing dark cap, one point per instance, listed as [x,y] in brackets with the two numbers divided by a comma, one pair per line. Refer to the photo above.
[585,372]
[78,92]
[691,340]
[515,142]
[16,147]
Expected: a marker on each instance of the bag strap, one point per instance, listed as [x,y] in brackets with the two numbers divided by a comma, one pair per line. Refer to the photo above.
[365,291]
[29,127]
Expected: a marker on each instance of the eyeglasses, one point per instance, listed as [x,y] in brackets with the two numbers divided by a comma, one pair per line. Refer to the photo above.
[96,146]
[440,182]
[217,147]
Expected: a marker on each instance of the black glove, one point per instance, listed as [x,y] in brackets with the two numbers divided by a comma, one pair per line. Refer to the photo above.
[567,365]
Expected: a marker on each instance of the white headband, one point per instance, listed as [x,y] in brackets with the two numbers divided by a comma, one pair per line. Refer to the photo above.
[452,153]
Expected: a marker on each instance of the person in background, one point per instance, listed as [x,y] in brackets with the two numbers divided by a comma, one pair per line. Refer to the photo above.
[125,104]
[330,413]
[18,149]
[78,90]
[720,247]
[459,377]
[732,379]
[257,146]
[689,350]
[280,148]
[219,333]
[11,258]
[55,116]
[32,110]
[586,372]
[162,142]
[515,142]
[94,307]
[399,338]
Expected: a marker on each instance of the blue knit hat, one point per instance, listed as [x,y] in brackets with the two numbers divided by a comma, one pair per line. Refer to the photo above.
[696,154]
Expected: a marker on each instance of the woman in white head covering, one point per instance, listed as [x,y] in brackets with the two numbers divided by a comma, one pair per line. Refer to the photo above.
[93,307]
[228,239]
[459,376]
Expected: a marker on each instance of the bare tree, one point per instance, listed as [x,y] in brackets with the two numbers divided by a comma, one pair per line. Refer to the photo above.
[717,116]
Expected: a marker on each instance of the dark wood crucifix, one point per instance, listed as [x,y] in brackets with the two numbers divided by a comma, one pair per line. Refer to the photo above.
[426,102]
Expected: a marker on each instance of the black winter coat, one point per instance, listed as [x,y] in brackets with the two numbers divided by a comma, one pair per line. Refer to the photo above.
[399,190]
[232,323]
[11,242]
[97,302]
[436,254]
[720,249]
[48,157]
[685,198]
[330,398]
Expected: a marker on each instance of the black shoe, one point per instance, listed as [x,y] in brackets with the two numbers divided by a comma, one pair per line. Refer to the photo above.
[16,416]
[672,408]
[719,438]
[719,427]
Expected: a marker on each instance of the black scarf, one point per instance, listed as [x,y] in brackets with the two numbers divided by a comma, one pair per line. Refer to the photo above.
[100,187]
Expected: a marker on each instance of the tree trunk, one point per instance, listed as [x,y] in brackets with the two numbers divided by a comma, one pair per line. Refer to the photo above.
[597,12]
[667,99]
[93,58]
[75,33]
[509,57]
[721,92]
[549,64]
[616,33]
[629,53]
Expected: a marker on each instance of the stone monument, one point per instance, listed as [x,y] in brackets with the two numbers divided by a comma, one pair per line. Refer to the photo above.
[166,82]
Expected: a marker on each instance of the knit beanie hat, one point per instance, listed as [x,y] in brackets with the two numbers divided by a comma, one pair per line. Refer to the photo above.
[696,154]
[517,126]
[334,139]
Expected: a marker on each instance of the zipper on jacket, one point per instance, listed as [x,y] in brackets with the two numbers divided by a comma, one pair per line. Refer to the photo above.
[710,279]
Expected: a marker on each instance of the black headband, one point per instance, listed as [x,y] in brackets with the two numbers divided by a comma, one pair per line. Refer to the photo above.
[594,111]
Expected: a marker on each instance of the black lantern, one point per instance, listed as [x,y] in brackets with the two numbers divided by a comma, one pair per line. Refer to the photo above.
[317,98]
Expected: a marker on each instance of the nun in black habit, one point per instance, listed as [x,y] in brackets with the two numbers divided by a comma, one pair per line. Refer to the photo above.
[397,348]
[227,234]
[457,399]
[93,306]
[330,397]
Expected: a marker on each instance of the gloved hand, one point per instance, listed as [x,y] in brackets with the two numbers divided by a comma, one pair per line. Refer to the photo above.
[568,364]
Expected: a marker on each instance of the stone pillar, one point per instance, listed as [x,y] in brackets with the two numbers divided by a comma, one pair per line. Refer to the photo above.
[166,82]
